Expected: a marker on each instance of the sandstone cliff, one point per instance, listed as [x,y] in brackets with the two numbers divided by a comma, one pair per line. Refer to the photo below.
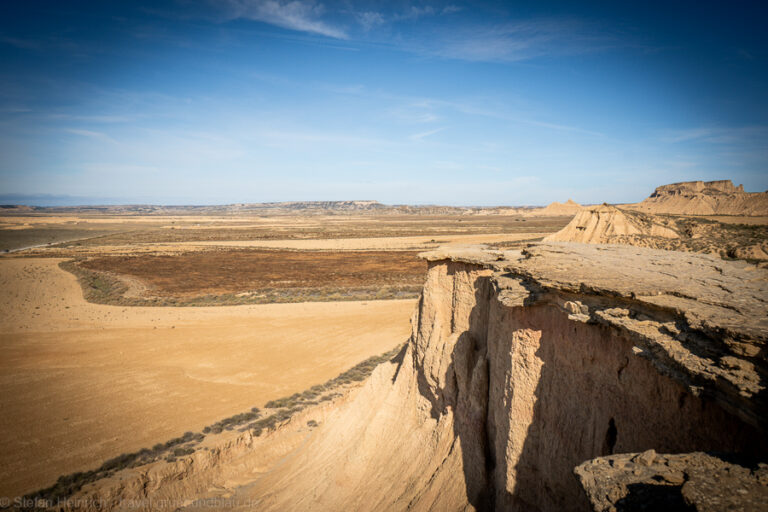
[521,366]
[704,198]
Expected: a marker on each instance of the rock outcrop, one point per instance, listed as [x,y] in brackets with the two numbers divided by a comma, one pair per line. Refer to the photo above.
[688,482]
[521,366]
[704,198]
[608,224]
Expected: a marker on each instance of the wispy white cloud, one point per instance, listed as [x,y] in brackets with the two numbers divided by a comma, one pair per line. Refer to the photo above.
[370,19]
[716,134]
[415,12]
[25,44]
[90,134]
[299,15]
[686,135]
[106,119]
[513,42]
[469,108]
[293,138]
[422,135]
[413,115]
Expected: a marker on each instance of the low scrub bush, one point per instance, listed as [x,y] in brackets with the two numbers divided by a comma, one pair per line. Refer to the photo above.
[67,485]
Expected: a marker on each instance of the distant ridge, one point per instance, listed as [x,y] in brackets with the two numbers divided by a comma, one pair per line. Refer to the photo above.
[362,207]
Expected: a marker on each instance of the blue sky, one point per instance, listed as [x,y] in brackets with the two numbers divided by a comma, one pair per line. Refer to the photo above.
[506,103]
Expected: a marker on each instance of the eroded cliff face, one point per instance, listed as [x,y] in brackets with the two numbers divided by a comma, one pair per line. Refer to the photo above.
[522,366]
[537,383]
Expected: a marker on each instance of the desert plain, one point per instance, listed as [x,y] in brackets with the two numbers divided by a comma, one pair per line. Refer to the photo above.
[121,330]
[191,353]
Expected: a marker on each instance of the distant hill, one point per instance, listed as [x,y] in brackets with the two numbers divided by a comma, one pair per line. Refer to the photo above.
[555,209]
[704,198]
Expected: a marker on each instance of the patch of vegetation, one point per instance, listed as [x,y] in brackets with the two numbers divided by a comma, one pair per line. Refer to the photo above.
[185,445]
[515,244]
[289,405]
[104,288]
[98,287]
[232,421]
[67,485]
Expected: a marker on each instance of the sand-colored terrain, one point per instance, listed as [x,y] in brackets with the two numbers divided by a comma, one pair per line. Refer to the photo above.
[608,224]
[394,243]
[519,368]
[568,208]
[704,198]
[98,232]
[399,243]
[84,382]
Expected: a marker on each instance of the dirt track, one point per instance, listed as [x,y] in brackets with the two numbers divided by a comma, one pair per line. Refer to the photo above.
[83,382]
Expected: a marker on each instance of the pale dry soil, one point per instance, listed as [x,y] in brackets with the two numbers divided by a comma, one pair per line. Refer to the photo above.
[394,243]
[81,382]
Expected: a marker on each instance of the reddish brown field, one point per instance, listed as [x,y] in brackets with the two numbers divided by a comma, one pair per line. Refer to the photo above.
[221,272]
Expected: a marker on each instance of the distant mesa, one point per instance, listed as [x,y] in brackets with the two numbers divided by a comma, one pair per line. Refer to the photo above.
[704,198]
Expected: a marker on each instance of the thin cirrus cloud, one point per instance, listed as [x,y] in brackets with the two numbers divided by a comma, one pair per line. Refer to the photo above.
[505,42]
[90,134]
[714,134]
[303,16]
[516,41]
[423,135]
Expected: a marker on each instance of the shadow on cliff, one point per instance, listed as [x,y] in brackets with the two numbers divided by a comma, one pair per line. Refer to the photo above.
[593,398]
[584,395]
[466,392]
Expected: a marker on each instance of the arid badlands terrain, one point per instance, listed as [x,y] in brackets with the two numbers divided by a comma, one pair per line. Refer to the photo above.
[357,356]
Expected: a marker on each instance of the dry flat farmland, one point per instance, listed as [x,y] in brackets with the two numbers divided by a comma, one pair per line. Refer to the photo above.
[261,275]
[96,364]
[84,382]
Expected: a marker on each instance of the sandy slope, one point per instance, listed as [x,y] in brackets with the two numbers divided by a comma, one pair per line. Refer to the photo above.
[80,383]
